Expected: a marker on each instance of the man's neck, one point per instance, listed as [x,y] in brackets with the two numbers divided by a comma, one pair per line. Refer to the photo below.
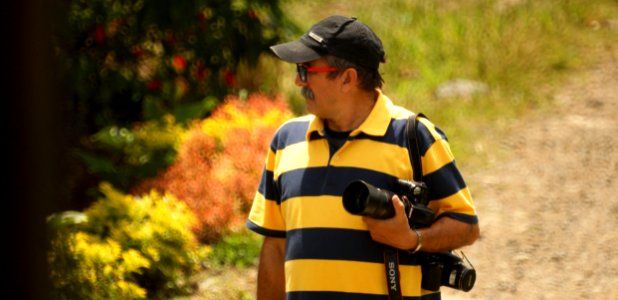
[358,109]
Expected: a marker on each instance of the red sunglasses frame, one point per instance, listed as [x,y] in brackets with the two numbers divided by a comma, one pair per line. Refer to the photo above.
[302,71]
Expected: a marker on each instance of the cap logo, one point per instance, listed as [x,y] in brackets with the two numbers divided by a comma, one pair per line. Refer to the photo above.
[316,37]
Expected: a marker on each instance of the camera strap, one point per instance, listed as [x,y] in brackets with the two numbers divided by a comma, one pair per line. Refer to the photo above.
[413,149]
[393,279]
[391,255]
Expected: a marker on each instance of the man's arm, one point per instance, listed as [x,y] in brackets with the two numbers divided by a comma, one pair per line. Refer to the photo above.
[271,274]
[443,235]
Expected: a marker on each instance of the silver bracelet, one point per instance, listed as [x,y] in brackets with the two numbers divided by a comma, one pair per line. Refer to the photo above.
[419,243]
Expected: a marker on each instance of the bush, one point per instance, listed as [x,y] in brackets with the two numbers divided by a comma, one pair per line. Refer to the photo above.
[126,247]
[139,60]
[123,155]
[125,62]
[243,131]
[220,162]
[239,249]
[86,267]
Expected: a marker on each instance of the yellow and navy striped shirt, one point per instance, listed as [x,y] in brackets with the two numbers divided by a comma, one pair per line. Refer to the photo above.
[329,252]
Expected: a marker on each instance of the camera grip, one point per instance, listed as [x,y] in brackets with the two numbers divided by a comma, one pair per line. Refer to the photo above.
[421,216]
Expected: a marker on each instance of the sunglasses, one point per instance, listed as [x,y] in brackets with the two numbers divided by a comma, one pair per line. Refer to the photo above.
[303,70]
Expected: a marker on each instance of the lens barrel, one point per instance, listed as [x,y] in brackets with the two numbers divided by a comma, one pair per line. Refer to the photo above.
[459,277]
[362,198]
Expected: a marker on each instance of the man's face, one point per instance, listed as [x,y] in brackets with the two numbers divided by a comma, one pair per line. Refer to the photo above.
[318,90]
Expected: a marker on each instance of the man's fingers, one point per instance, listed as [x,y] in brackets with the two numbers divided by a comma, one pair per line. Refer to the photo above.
[398,204]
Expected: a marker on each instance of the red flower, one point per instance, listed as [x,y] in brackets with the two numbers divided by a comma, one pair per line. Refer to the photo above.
[154,85]
[230,79]
[200,71]
[179,63]
[99,34]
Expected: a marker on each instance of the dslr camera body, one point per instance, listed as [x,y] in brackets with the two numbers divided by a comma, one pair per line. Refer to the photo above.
[439,269]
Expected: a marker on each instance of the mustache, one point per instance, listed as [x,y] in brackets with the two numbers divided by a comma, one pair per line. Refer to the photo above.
[307,93]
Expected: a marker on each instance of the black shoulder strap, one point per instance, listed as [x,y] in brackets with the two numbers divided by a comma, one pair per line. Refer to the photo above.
[413,149]
[391,255]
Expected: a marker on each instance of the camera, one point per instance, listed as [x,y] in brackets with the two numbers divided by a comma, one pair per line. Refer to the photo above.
[362,198]
[447,269]
[438,269]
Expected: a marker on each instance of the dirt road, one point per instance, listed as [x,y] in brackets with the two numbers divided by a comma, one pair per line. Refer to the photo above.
[549,213]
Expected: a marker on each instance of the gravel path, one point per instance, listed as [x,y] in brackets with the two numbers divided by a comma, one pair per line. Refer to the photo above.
[549,213]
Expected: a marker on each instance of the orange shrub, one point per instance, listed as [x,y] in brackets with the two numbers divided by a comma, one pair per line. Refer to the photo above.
[220,161]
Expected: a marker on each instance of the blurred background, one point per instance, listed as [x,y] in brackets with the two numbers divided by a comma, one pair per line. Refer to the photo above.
[137,129]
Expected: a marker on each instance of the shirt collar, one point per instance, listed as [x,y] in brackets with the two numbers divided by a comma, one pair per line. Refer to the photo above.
[376,123]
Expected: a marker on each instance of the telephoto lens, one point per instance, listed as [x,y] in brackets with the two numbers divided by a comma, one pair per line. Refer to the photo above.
[361,198]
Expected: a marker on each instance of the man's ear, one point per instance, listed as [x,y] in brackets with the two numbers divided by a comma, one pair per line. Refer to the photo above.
[349,79]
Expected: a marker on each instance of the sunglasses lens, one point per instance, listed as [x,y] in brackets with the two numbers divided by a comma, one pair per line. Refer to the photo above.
[302,72]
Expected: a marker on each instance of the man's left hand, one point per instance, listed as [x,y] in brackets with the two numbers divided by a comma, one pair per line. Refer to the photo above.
[395,231]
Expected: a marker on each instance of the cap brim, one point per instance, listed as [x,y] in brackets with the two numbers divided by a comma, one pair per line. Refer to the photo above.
[295,52]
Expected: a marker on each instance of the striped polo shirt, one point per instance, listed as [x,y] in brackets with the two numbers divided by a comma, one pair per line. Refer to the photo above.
[329,253]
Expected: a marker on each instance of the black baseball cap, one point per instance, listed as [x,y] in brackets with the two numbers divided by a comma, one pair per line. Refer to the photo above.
[340,36]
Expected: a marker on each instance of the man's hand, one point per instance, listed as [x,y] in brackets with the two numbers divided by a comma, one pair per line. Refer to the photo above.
[444,234]
[395,231]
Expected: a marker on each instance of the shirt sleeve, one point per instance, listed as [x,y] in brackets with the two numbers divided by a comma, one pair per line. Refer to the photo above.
[265,217]
[448,193]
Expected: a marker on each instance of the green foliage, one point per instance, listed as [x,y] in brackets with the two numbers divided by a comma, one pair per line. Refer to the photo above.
[139,60]
[124,247]
[124,156]
[239,249]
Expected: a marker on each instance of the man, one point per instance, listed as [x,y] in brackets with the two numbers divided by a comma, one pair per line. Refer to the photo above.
[313,248]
